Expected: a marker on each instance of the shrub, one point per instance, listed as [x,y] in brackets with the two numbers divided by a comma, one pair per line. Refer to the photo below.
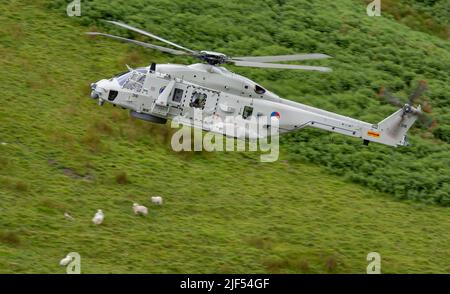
[9,238]
[331,264]
[21,186]
[442,133]
[122,178]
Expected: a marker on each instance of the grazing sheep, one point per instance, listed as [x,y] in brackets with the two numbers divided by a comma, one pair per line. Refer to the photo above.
[68,216]
[65,261]
[140,209]
[157,200]
[4,143]
[98,217]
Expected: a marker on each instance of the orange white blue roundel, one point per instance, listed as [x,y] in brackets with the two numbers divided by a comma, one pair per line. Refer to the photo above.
[275,114]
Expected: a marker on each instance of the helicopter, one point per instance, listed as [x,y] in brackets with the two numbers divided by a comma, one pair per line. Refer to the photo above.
[160,92]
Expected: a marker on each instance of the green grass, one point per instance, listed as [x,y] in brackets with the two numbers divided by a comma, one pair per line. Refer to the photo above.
[223,212]
[369,53]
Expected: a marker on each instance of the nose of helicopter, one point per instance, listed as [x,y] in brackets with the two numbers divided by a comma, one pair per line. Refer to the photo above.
[98,89]
[94,94]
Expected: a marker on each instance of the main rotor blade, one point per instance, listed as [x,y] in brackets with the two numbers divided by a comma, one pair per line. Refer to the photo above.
[151,35]
[147,45]
[280,66]
[281,58]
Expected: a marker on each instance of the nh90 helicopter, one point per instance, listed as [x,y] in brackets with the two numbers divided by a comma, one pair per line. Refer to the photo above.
[170,91]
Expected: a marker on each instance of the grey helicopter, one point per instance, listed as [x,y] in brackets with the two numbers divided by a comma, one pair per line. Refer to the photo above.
[160,92]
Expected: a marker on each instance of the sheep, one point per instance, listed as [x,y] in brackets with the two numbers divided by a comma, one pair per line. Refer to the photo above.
[157,200]
[140,209]
[66,260]
[68,216]
[98,217]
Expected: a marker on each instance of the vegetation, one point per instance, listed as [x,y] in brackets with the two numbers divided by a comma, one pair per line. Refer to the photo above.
[430,16]
[223,212]
[370,53]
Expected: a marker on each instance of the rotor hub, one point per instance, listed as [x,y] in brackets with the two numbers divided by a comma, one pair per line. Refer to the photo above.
[213,58]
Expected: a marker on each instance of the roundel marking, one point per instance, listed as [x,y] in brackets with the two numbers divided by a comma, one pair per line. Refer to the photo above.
[275,114]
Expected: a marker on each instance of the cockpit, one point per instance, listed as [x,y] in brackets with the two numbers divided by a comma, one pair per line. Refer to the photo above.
[123,77]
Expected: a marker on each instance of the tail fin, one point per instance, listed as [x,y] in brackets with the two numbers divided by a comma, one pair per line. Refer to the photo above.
[392,130]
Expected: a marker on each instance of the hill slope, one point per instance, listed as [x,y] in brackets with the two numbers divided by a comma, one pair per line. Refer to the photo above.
[370,53]
[223,212]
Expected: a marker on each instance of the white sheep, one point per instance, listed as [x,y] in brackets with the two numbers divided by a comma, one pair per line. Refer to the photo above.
[140,209]
[68,216]
[98,217]
[66,260]
[157,200]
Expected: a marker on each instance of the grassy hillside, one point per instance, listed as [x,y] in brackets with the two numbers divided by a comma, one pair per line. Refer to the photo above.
[224,212]
[370,53]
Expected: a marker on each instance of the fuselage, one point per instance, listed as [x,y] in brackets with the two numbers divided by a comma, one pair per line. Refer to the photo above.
[179,92]
[217,78]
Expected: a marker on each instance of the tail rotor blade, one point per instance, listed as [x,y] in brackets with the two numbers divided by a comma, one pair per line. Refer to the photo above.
[418,92]
[389,98]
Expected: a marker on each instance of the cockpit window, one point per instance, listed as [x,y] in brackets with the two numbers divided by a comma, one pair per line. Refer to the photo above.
[123,77]
[133,80]
[120,74]
[259,90]
[142,70]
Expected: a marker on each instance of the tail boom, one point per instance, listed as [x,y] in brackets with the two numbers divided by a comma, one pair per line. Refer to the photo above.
[391,131]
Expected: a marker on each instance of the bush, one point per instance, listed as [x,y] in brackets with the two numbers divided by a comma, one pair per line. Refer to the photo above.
[9,238]
[21,186]
[122,178]
[442,133]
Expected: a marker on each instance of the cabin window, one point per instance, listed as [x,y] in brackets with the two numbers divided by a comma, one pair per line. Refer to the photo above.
[248,111]
[177,95]
[198,100]
[259,90]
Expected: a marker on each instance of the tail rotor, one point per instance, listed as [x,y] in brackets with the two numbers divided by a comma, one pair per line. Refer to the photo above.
[415,98]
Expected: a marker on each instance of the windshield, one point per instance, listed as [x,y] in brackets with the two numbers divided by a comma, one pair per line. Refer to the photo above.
[123,77]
